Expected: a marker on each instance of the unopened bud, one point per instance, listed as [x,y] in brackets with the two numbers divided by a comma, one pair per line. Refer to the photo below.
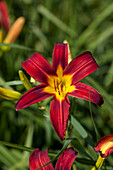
[69,52]
[9,94]
[4,16]
[24,80]
[14,32]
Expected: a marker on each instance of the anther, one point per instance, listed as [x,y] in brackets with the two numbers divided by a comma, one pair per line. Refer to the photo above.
[55,85]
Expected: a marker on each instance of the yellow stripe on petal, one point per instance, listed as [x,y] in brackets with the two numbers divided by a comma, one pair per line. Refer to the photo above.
[9,94]
[105,146]
[98,163]
[51,80]
[24,80]
[59,71]
[67,80]
[49,89]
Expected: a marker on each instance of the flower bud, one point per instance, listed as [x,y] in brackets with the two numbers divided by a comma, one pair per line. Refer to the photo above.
[14,32]
[9,94]
[69,52]
[24,80]
[4,16]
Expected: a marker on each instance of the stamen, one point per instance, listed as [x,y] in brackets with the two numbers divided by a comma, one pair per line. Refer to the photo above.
[61,87]
[55,85]
[59,92]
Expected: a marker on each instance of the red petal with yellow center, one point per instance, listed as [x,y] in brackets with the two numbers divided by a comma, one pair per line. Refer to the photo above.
[39,158]
[66,159]
[4,16]
[60,55]
[38,68]
[82,91]
[105,145]
[59,113]
[81,66]
[32,96]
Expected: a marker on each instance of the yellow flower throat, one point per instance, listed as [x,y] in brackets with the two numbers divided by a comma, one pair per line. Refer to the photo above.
[60,88]
[59,85]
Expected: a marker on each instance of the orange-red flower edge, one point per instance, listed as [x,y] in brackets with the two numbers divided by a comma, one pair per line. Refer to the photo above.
[105,145]
[59,80]
[39,158]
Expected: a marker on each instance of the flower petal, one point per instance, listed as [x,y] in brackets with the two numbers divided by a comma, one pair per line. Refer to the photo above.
[32,96]
[66,159]
[4,16]
[39,158]
[59,112]
[82,91]
[38,68]
[105,145]
[81,66]
[60,55]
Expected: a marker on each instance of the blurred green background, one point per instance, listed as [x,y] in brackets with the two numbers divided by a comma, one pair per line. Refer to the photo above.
[86,25]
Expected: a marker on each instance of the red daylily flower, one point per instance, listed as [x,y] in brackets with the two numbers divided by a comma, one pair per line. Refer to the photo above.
[59,81]
[39,158]
[105,147]
[4,15]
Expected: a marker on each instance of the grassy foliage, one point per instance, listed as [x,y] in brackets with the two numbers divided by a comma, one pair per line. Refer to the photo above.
[86,25]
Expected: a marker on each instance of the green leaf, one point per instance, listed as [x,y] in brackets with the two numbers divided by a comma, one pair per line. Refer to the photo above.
[77,145]
[17,46]
[38,32]
[7,154]
[78,127]
[17,146]
[44,11]
[109,77]
[106,96]
[101,38]
[85,161]
[90,29]
[11,83]
[95,128]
